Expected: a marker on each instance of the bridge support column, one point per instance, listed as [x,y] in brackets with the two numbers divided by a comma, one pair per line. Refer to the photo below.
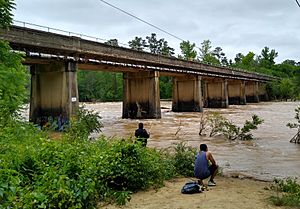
[252,92]
[141,98]
[54,91]
[187,95]
[216,93]
[236,92]
[263,95]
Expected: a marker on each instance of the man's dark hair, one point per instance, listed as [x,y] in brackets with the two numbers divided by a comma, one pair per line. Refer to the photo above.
[203,147]
[141,125]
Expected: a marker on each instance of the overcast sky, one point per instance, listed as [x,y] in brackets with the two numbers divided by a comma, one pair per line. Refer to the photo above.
[234,25]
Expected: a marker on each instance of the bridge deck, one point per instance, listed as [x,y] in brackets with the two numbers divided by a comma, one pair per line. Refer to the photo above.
[91,54]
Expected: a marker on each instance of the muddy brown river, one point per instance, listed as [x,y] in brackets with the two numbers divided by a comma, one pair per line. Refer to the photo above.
[269,156]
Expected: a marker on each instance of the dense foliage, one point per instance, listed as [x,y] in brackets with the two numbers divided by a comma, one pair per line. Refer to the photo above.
[6,7]
[13,75]
[37,172]
[13,80]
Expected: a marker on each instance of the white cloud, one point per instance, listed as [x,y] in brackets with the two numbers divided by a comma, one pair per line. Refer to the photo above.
[235,25]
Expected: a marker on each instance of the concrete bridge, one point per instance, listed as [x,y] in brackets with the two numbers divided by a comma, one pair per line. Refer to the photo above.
[54,59]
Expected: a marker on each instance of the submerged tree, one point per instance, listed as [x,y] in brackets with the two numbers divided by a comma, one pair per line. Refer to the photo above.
[296,138]
[219,125]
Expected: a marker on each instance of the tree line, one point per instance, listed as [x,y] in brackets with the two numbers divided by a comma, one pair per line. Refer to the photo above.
[105,86]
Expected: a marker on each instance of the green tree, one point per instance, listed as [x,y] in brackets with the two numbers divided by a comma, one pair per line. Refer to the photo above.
[138,43]
[248,60]
[112,42]
[206,54]
[154,44]
[6,17]
[238,58]
[220,55]
[188,50]
[13,79]
[165,87]
[99,86]
[159,46]
[267,58]
[166,49]
[13,75]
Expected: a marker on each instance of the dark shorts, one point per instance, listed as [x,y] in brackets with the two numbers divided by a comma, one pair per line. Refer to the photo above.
[212,169]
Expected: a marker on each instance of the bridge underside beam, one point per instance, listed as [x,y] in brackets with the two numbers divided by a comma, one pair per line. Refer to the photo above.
[236,92]
[141,98]
[54,91]
[252,92]
[187,95]
[216,93]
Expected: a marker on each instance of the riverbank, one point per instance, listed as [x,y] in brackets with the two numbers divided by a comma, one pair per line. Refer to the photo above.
[230,193]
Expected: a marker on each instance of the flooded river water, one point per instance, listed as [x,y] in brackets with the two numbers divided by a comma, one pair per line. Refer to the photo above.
[270,155]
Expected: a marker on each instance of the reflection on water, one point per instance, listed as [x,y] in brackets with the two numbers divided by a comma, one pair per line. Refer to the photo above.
[271,155]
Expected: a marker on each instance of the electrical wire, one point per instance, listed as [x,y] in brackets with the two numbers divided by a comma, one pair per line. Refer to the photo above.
[141,20]
[297,3]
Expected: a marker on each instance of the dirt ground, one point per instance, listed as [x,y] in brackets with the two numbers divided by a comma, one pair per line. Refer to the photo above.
[230,193]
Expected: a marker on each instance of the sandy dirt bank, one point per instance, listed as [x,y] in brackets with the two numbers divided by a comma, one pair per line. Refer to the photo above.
[230,193]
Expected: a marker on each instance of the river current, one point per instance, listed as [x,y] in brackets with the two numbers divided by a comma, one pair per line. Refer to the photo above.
[269,156]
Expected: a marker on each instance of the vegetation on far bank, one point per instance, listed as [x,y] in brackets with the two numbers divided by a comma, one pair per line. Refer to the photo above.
[105,86]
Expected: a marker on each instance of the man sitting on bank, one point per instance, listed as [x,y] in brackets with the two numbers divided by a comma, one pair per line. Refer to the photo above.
[142,135]
[205,166]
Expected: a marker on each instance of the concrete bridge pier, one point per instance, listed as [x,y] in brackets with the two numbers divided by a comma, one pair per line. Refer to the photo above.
[262,89]
[236,92]
[252,92]
[54,91]
[187,94]
[216,93]
[141,98]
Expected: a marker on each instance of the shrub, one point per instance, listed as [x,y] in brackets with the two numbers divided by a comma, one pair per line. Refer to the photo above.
[40,173]
[287,192]
[184,159]
[83,124]
[13,79]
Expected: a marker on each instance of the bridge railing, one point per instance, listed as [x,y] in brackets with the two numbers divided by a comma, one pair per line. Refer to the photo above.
[61,32]
[101,40]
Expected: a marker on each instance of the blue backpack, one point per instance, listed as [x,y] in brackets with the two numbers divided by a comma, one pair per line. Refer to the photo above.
[191,188]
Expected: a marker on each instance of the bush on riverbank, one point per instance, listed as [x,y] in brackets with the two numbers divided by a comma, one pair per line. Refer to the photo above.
[287,193]
[37,172]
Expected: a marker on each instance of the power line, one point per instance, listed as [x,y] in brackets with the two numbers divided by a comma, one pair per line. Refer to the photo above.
[297,3]
[141,20]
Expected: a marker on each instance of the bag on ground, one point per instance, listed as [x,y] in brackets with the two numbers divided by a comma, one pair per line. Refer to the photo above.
[191,188]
